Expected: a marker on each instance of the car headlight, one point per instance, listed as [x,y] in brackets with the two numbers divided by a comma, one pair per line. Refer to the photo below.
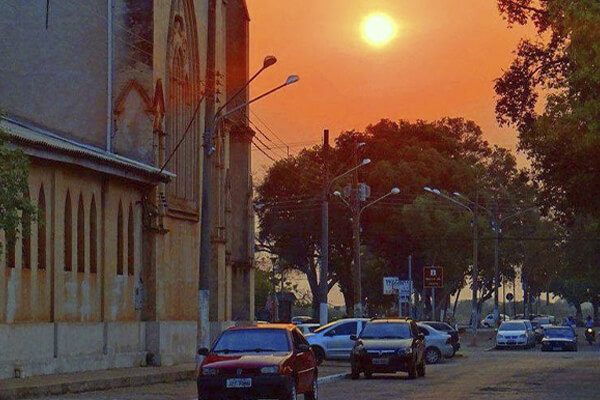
[271,369]
[210,371]
[499,336]
[407,350]
[523,336]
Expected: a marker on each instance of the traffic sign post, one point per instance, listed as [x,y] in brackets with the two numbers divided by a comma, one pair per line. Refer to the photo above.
[433,277]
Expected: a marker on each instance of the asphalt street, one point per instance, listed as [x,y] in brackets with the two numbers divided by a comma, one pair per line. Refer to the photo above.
[475,374]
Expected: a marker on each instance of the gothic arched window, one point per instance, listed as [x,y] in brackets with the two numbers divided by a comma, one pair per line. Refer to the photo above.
[120,243]
[80,236]
[183,94]
[41,230]
[68,234]
[93,236]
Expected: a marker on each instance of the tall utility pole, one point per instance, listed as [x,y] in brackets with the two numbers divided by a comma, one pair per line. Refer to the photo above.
[355,207]
[410,299]
[323,285]
[496,224]
[474,305]
[206,217]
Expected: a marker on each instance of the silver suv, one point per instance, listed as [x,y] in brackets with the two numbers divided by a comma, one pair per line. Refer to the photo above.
[332,341]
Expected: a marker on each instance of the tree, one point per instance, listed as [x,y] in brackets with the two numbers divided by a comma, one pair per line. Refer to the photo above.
[560,137]
[14,202]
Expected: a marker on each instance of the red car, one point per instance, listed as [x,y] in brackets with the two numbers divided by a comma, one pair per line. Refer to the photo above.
[271,361]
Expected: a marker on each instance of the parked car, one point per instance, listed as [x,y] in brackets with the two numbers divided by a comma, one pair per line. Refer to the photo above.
[446,328]
[515,333]
[266,361]
[437,344]
[307,328]
[301,319]
[559,338]
[489,322]
[388,346]
[332,341]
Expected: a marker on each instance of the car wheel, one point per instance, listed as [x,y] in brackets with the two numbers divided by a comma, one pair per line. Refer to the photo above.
[319,354]
[432,355]
[314,393]
[355,373]
[421,369]
[412,371]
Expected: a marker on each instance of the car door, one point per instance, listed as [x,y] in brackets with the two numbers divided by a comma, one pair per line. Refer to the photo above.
[304,363]
[339,344]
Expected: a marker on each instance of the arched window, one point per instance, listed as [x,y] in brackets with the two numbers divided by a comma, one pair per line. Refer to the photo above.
[182,87]
[93,236]
[26,234]
[41,230]
[80,236]
[130,243]
[68,234]
[120,244]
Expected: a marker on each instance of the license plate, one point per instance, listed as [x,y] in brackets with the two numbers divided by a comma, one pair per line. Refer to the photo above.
[239,383]
[381,361]
[557,348]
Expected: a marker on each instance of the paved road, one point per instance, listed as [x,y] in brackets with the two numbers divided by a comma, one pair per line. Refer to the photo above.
[495,375]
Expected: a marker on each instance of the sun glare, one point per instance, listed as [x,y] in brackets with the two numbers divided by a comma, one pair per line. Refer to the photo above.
[378,29]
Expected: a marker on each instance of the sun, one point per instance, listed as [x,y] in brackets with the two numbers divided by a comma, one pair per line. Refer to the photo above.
[379,29]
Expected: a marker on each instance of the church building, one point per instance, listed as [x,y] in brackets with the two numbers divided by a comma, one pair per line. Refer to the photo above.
[108,100]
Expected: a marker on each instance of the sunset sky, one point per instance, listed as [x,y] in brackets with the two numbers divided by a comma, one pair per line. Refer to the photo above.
[442,62]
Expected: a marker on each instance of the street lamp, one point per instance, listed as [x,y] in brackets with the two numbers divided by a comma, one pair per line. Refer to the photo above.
[356,213]
[212,125]
[323,285]
[475,272]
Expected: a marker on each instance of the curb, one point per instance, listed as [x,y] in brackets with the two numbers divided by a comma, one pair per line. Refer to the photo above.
[53,389]
[333,378]
[491,349]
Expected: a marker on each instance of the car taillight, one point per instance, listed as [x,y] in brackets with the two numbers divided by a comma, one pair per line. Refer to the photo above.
[449,341]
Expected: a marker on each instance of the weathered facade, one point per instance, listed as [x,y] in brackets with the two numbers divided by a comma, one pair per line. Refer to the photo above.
[102,98]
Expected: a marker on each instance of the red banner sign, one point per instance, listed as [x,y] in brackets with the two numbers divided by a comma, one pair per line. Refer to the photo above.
[433,277]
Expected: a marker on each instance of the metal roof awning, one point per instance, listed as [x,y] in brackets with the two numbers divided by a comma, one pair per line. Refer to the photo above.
[39,143]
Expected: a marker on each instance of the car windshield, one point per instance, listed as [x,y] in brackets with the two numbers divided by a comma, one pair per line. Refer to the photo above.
[559,333]
[387,330]
[512,326]
[253,341]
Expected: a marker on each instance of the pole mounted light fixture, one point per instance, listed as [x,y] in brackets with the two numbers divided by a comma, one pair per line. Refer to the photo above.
[267,62]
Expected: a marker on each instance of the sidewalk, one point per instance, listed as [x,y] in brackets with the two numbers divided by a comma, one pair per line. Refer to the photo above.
[94,380]
[48,385]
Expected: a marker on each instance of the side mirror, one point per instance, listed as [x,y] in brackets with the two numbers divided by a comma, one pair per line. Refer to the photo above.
[353,338]
[303,348]
[203,351]
[421,336]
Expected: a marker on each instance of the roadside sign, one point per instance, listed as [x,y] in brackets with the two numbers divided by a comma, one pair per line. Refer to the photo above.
[433,277]
[390,284]
[393,285]
[509,296]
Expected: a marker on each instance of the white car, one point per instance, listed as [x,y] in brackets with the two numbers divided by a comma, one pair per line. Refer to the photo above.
[332,341]
[437,344]
[516,333]
[489,322]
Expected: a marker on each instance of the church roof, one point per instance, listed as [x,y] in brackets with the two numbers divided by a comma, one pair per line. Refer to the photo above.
[40,143]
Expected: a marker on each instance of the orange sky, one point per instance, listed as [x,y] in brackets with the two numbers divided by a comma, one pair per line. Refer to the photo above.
[442,63]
